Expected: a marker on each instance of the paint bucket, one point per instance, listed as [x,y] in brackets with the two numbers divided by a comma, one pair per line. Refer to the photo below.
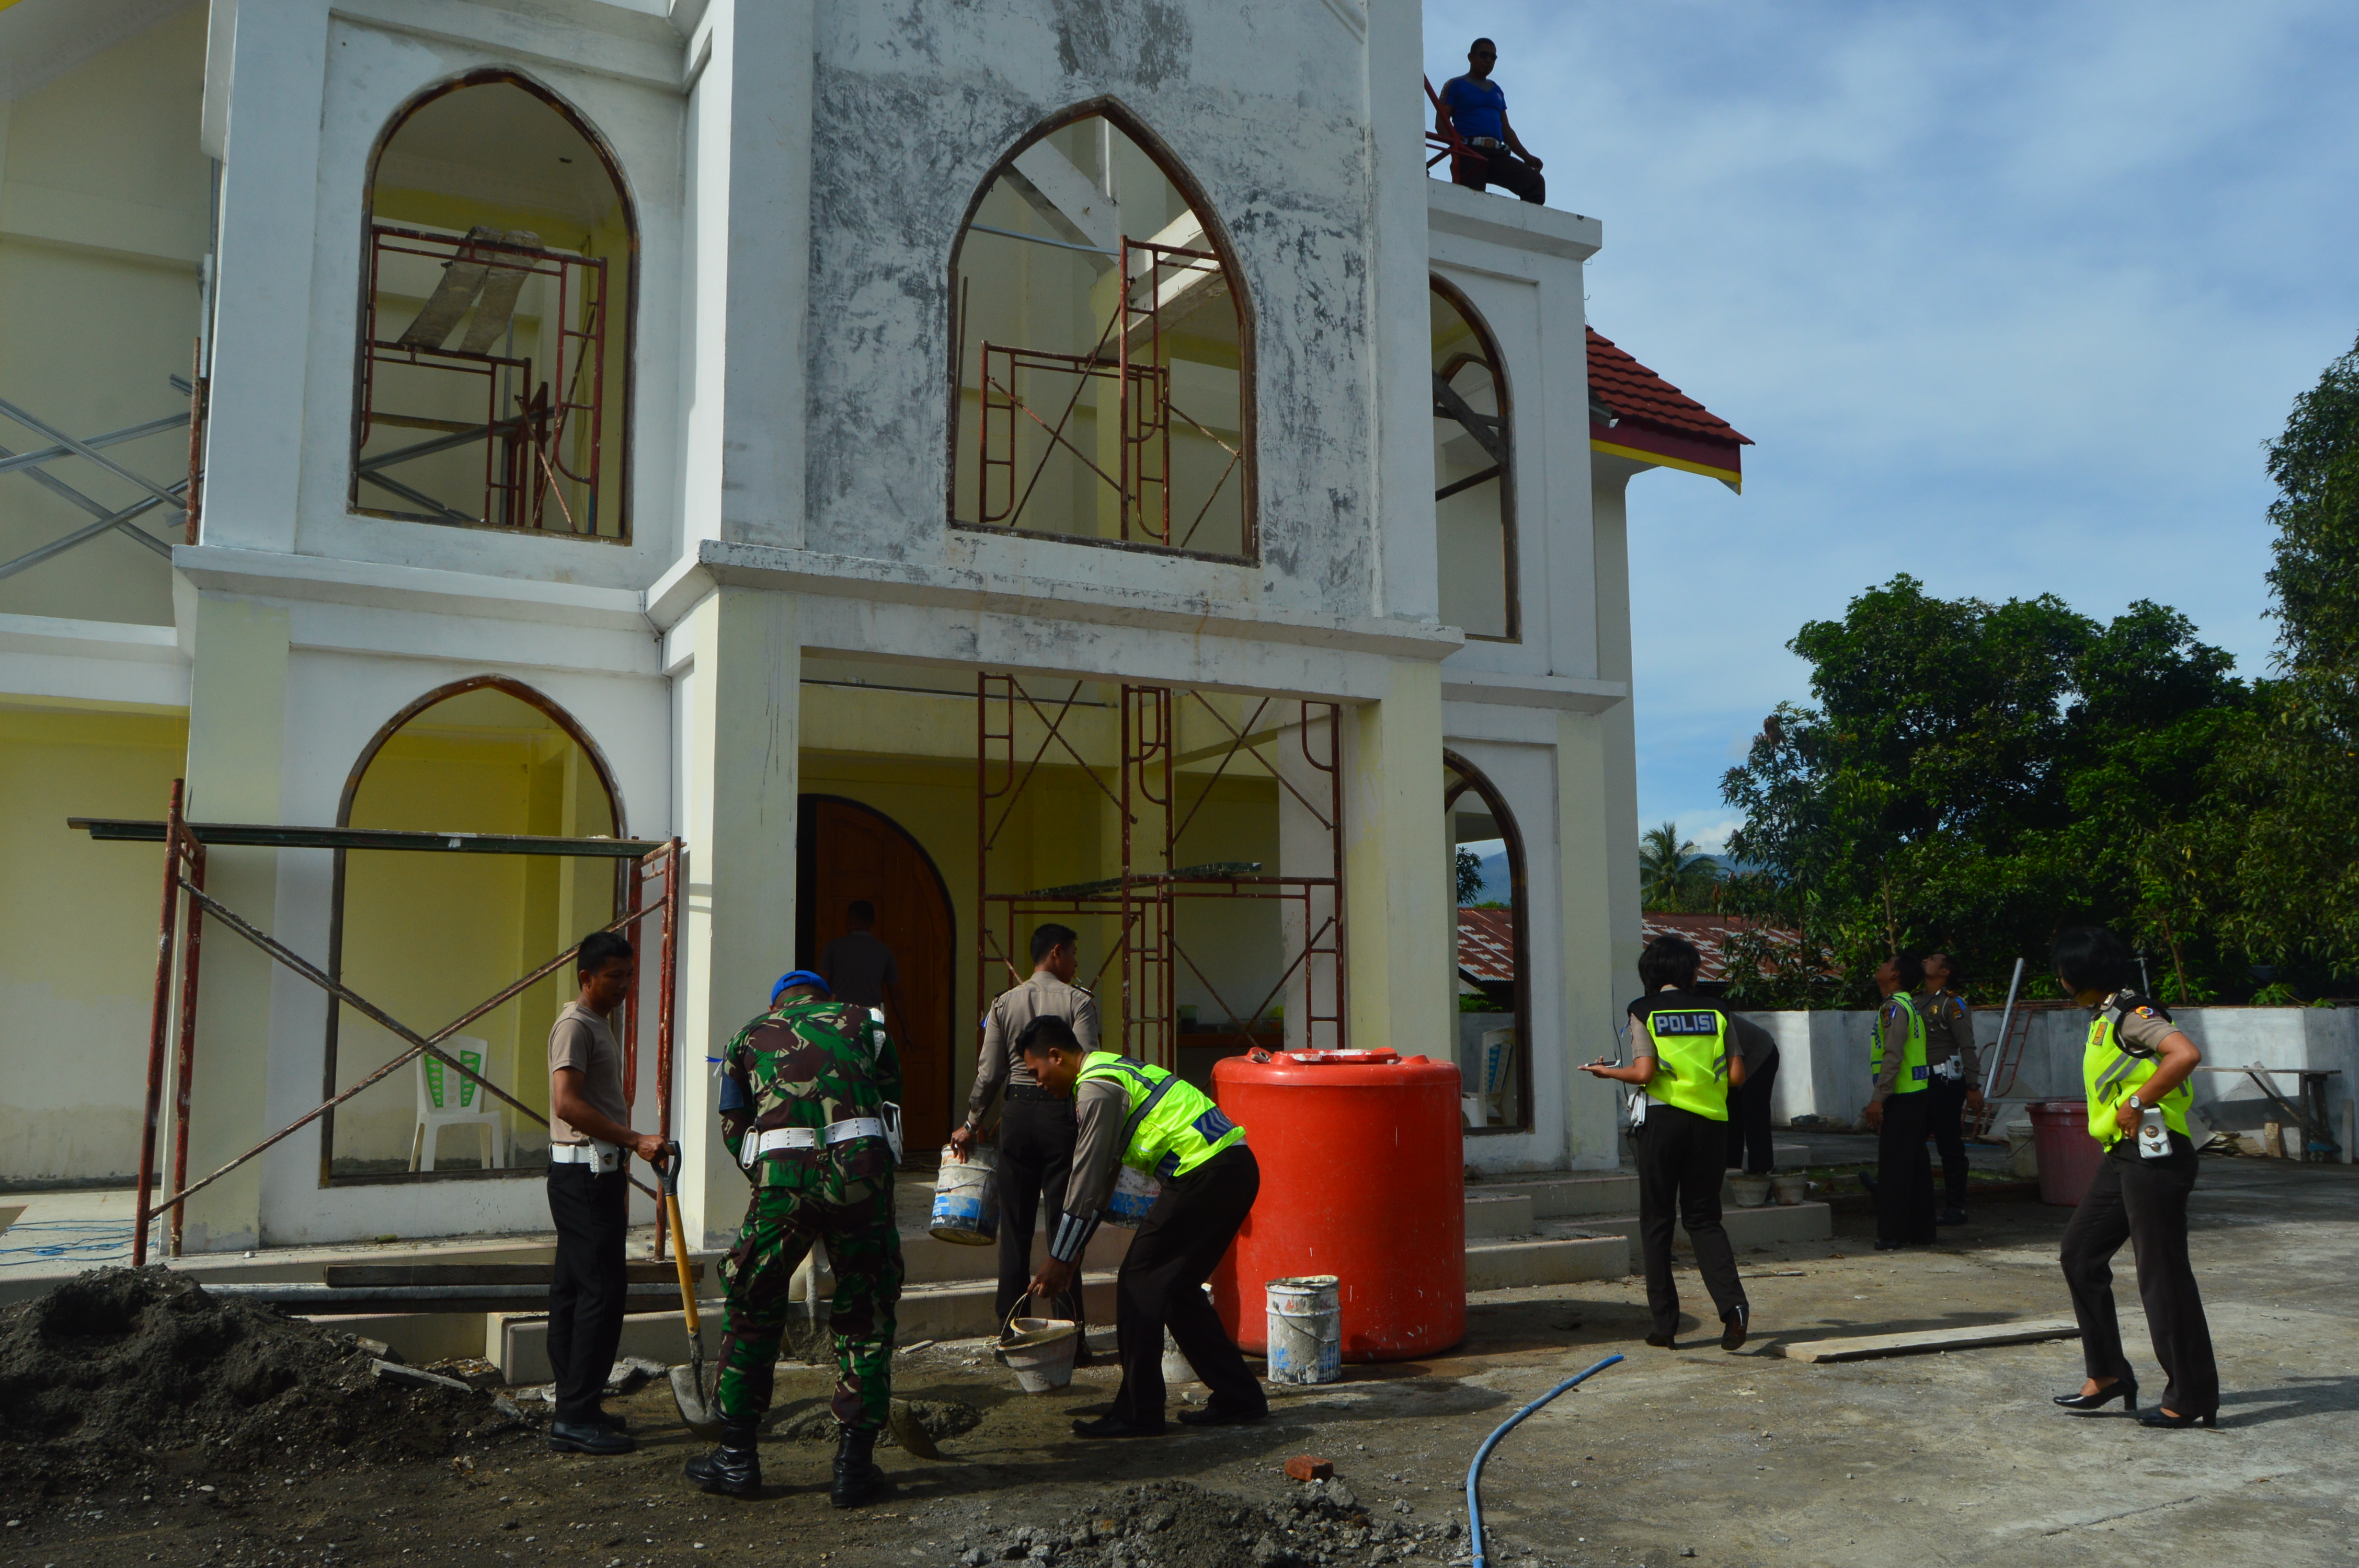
[1176,1369]
[1134,1192]
[966,1199]
[1750,1192]
[1041,1351]
[1306,1331]
[1790,1189]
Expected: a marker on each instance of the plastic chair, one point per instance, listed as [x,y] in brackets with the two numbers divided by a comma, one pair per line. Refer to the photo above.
[446,1099]
[1498,1054]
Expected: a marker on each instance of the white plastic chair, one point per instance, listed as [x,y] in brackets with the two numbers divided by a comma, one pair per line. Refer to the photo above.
[1498,1054]
[447,1099]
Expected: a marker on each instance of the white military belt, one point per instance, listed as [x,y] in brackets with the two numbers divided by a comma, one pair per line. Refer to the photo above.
[778,1137]
[604,1157]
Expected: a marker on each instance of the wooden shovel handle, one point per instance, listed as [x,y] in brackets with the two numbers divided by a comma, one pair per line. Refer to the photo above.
[680,1256]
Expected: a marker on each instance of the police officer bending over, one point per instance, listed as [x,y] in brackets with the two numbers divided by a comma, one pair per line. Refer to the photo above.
[805,1092]
[1684,1057]
[1132,1114]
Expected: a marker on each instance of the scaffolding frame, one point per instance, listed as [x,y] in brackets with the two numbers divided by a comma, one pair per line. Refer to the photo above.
[1151,885]
[177,496]
[179,946]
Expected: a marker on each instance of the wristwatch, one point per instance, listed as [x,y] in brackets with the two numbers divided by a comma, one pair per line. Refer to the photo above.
[2135,1103]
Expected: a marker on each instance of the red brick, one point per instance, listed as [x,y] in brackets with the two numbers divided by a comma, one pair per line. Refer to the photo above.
[1303,1467]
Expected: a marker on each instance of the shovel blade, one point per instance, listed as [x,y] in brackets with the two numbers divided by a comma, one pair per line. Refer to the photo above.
[909,1432]
[687,1393]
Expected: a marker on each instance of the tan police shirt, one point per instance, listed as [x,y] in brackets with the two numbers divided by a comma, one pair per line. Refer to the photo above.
[582,1040]
[1950,1032]
[1001,1064]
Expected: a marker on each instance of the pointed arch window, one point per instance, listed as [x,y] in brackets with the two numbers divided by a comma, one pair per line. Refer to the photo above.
[1102,349]
[1492,989]
[1473,473]
[495,364]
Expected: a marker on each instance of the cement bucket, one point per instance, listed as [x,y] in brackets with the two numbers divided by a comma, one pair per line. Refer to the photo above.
[1306,1330]
[966,1199]
[1133,1194]
[1041,1351]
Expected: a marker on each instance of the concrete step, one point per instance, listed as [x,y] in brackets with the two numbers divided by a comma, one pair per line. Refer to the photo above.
[1490,1213]
[1559,1197]
[1546,1260]
[928,1260]
[1762,1227]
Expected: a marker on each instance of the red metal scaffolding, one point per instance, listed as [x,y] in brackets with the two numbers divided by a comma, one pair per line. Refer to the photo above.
[1152,880]
[179,950]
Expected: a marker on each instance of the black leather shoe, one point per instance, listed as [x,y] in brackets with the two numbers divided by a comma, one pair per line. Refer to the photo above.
[1733,1326]
[613,1420]
[586,1437]
[733,1469]
[1663,1341]
[1113,1427]
[1890,1246]
[1951,1217]
[1221,1416]
[858,1481]
[2122,1389]
[2172,1422]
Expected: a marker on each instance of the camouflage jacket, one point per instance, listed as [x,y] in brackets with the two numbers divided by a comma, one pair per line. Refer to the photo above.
[808,1064]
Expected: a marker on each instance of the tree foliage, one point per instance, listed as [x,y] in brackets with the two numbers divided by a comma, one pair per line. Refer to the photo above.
[1674,876]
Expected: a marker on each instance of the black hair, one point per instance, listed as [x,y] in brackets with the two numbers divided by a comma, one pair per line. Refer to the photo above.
[1911,965]
[1046,939]
[599,946]
[1669,961]
[862,909]
[2091,958]
[1046,1033]
[1482,44]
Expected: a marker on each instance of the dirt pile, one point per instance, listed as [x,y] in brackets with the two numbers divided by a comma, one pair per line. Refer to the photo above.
[129,1369]
[1171,1524]
[941,1419]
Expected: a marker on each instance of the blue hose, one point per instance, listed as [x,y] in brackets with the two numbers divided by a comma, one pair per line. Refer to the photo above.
[1475,1471]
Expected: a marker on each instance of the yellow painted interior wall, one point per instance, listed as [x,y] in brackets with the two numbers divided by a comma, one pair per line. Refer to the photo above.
[78,931]
[103,219]
[426,937]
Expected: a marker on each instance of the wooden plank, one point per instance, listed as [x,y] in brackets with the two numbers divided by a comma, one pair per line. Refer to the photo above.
[398,1276]
[1866,1347]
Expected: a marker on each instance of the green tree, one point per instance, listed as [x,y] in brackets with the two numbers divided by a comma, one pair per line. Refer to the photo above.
[1674,876]
[1470,876]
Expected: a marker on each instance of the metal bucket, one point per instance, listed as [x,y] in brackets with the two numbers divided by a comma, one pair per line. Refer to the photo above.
[1041,1351]
[1134,1192]
[1750,1192]
[1306,1329]
[1790,1189]
[966,1199]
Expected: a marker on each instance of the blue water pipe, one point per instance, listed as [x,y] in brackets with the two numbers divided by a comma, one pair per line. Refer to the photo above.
[1475,1471]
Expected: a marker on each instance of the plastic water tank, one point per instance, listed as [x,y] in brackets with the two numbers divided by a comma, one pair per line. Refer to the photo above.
[2068,1155]
[1363,1176]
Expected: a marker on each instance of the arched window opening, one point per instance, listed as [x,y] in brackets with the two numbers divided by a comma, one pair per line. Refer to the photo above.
[1473,473]
[1492,979]
[496,320]
[1102,350]
[426,937]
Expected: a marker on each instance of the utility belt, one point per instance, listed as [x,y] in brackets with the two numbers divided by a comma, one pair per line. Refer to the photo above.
[778,1140]
[604,1159]
[1486,144]
[1028,1091]
[1951,1070]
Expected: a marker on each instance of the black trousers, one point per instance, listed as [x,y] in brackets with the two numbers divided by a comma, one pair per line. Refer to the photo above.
[2143,1202]
[1501,168]
[1748,1121]
[1162,1286]
[1036,1157]
[1904,1176]
[1679,1161]
[1946,1106]
[592,1212]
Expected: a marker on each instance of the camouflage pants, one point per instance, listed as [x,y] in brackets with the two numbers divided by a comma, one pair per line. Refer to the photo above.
[865,1248]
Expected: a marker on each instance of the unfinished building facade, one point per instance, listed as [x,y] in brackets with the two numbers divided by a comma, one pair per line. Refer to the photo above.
[953,457]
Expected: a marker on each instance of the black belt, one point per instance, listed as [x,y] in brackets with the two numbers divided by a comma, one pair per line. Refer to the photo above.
[1028,1091]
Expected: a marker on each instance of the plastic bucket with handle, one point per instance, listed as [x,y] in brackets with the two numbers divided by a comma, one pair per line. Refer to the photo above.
[966,1199]
[1041,1351]
[1306,1330]
[1134,1194]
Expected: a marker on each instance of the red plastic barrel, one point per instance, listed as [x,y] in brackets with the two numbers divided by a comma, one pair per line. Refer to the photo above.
[1363,1176]
[2068,1155]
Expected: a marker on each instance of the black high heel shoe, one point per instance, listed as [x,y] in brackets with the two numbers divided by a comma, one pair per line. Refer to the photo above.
[2121,1389]
[2166,1420]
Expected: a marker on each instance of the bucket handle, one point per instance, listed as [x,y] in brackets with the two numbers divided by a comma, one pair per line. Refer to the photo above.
[1007,1327]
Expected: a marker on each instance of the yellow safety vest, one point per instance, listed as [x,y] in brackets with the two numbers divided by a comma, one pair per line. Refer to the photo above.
[1690,1050]
[2111,1074]
[1173,1126]
[1914,1077]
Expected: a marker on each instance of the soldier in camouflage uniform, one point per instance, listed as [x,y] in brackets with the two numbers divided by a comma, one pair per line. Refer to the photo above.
[804,1087]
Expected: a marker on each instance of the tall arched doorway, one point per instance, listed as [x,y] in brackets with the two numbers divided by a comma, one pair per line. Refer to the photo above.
[426,937]
[848,852]
[1492,987]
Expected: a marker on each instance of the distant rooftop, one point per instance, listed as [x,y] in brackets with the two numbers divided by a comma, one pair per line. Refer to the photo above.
[1635,413]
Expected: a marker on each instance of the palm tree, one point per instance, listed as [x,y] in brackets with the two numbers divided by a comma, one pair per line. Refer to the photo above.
[1672,873]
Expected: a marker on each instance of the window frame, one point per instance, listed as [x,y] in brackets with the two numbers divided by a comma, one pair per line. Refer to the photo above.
[1511,563]
[1471,777]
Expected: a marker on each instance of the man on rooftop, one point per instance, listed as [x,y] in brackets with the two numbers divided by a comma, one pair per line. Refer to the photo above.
[1474,107]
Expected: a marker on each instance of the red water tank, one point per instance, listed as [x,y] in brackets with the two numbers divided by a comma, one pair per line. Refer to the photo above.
[1363,1176]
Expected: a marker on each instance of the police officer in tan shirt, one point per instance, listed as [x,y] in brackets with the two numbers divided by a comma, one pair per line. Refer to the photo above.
[1957,1084]
[1036,1129]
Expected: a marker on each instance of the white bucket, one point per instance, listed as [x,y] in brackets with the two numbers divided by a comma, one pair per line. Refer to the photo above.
[1134,1192]
[1790,1189]
[1176,1369]
[1306,1329]
[1041,1351]
[966,1199]
[1750,1192]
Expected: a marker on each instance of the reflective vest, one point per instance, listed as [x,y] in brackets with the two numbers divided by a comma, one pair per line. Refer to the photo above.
[1172,1126]
[1914,1075]
[2113,1071]
[1690,1051]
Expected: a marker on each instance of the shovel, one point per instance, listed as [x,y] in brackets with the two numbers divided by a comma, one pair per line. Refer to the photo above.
[686,1382]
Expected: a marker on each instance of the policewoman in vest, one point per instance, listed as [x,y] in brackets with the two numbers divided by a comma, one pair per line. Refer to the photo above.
[1131,1114]
[2135,1069]
[1899,1108]
[1683,1058]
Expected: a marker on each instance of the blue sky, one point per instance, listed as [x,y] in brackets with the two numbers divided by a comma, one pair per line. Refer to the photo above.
[2010,296]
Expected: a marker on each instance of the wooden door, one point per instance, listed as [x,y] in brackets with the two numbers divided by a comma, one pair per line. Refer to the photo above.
[850,851]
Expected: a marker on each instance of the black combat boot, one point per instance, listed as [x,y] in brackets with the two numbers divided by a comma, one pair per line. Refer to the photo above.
[858,1481]
[733,1469]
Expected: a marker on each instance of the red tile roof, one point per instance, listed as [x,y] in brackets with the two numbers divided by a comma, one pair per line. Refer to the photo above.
[1635,394]
[1707,932]
[1486,947]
